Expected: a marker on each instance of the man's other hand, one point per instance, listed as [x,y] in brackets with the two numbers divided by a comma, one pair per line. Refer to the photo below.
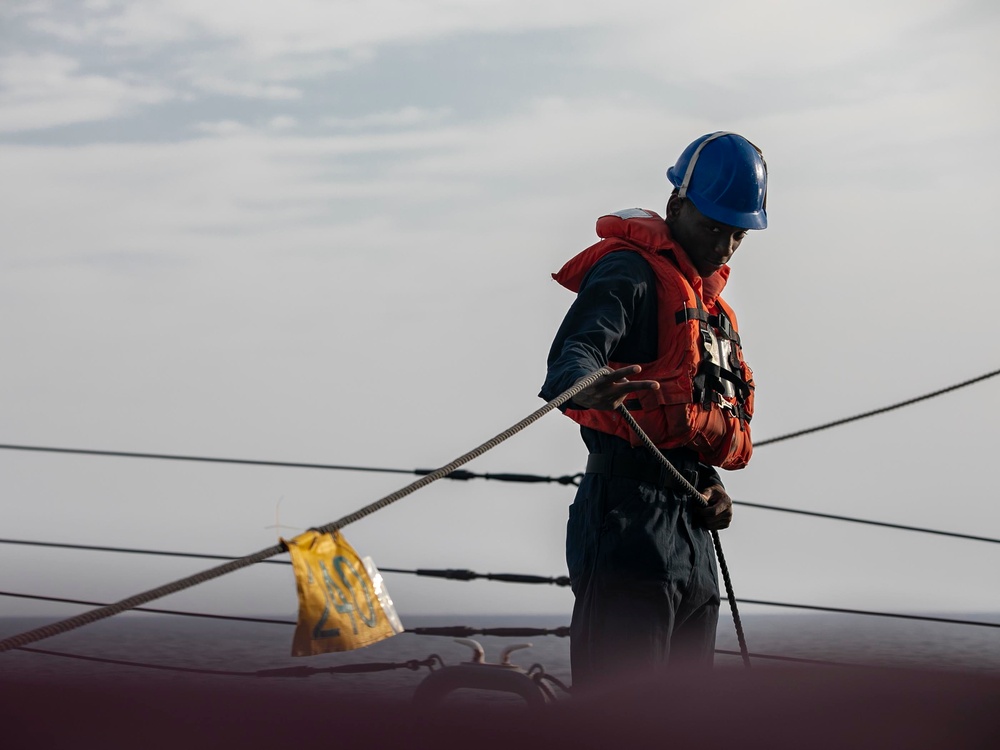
[718,514]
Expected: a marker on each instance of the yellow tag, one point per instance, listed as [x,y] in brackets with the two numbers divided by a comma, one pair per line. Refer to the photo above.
[343,603]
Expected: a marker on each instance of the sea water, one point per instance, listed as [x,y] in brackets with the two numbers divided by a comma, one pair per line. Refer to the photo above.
[174,643]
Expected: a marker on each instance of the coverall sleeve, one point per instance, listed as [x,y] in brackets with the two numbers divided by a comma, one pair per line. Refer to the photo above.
[612,319]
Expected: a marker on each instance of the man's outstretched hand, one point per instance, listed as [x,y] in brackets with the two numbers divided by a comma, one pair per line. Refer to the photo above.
[612,389]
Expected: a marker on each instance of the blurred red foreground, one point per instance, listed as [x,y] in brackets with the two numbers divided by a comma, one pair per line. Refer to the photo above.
[728,708]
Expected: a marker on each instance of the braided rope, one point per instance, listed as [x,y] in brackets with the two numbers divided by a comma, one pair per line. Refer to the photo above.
[86,618]
[691,490]
[737,622]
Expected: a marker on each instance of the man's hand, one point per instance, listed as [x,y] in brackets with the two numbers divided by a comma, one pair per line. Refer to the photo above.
[612,389]
[718,514]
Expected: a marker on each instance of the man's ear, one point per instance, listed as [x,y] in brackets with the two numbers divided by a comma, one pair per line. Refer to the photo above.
[674,203]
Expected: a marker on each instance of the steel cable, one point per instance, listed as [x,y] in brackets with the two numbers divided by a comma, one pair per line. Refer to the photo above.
[457,475]
[263,555]
[200,459]
[465,630]
[875,412]
[566,479]
[453,574]
[148,610]
[412,664]
[62,626]
[868,522]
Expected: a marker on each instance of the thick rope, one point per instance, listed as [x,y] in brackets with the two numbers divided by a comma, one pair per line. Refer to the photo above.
[691,490]
[86,618]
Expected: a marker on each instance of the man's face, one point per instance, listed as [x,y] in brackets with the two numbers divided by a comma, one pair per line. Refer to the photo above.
[708,243]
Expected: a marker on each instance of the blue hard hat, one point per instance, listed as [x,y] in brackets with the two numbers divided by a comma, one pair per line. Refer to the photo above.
[725,177]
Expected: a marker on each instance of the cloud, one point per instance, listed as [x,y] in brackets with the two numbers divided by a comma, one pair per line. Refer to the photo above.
[784,57]
[215,84]
[143,24]
[282,122]
[222,127]
[731,59]
[405,117]
[279,123]
[557,157]
[230,286]
[268,30]
[46,90]
[740,37]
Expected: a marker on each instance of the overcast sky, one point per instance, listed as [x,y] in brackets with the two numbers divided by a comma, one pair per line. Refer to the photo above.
[324,232]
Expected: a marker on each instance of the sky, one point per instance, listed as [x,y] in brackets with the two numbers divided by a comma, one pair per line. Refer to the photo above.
[324,232]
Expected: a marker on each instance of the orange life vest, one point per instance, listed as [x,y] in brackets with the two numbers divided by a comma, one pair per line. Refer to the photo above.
[705,399]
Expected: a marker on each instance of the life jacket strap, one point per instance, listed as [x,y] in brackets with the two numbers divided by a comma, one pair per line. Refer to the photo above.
[719,322]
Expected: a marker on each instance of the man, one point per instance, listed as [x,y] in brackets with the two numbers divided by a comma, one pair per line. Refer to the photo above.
[640,553]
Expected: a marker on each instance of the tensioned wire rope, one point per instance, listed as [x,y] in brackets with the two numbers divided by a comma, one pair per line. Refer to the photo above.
[450,631]
[464,631]
[365,667]
[747,503]
[412,665]
[453,631]
[458,574]
[459,475]
[566,479]
[464,475]
[876,412]
[86,618]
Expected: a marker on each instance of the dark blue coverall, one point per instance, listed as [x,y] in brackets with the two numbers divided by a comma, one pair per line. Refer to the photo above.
[641,563]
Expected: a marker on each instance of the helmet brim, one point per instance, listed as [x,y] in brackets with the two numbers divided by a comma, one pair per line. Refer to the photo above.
[742,220]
